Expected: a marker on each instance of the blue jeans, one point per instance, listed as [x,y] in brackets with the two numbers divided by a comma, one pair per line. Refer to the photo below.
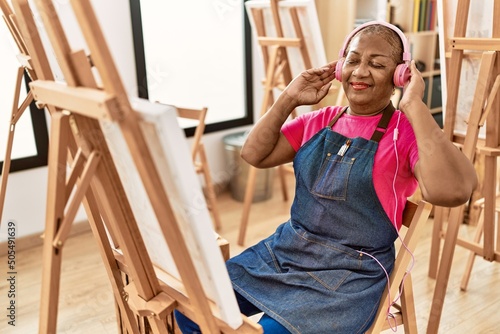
[187,326]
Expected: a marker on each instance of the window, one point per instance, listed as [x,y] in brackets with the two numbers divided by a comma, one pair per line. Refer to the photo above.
[194,54]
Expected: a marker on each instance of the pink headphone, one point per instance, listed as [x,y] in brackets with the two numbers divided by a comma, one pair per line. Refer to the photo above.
[402,72]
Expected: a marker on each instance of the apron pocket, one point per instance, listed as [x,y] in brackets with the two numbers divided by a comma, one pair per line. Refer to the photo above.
[330,279]
[333,176]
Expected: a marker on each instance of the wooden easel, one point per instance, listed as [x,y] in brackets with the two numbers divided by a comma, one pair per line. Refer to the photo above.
[485,108]
[32,55]
[17,110]
[278,76]
[78,106]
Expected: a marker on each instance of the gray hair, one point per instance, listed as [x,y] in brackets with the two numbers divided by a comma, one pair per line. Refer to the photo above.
[388,34]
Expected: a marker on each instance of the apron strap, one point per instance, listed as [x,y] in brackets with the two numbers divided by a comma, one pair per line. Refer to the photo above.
[382,124]
[340,113]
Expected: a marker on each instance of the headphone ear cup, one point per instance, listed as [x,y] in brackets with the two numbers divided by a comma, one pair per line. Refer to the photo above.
[338,69]
[401,75]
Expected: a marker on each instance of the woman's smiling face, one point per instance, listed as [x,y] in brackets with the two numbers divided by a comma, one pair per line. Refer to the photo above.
[367,73]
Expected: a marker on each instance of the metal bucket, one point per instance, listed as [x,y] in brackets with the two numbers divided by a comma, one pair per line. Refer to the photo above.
[239,171]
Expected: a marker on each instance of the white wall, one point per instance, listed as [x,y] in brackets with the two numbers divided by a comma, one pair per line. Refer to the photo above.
[26,191]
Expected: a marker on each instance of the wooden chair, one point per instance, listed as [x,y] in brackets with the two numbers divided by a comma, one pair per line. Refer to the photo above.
[414,219]
[200,158]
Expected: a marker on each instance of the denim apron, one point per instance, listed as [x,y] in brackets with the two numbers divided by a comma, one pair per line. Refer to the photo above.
[316,274]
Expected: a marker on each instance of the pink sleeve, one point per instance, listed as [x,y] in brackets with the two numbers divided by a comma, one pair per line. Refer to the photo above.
[299,130]
[412,149]
[293,132]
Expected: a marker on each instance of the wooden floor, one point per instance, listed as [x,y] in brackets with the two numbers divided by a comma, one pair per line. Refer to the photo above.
[86,302]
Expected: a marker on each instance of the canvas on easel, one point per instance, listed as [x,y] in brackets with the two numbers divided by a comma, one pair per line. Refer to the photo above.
[163,135]
[83,113]
[290,41]
[309,26]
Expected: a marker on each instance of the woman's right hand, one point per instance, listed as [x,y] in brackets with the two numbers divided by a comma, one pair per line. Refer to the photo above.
[312,85]
[266,146]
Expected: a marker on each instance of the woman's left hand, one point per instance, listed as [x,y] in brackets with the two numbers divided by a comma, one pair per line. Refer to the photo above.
[414,89]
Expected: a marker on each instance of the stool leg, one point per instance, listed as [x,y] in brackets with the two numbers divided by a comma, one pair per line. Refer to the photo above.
[408,307]
[439,214]
[211,196]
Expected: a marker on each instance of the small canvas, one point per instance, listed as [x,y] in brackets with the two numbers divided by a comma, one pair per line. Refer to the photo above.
[172,158]
[309,23]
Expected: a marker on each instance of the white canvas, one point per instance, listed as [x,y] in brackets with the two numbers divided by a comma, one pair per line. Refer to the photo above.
[172,158]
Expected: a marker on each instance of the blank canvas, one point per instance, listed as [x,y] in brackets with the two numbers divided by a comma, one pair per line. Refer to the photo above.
[172,158]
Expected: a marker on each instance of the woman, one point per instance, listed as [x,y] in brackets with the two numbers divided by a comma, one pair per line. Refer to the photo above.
[324,270]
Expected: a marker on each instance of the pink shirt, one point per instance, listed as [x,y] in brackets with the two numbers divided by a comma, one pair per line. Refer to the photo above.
[299,130]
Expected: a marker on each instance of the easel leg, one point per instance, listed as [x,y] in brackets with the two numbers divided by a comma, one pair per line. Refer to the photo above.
[128,319]
[444,269]
[489,191]
[16,113]
[247,203]
[437,228]
[56,199]
[270,80]
[6,169]
[472,255]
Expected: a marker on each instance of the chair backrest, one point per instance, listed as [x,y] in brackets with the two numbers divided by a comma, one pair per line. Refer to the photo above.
[409,213]
[414,219]
[197,115]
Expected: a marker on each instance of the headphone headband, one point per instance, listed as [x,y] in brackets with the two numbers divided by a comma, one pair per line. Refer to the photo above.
[404,40]
[402,72]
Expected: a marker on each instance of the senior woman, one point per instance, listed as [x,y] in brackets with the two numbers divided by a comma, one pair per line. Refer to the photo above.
[324,270]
